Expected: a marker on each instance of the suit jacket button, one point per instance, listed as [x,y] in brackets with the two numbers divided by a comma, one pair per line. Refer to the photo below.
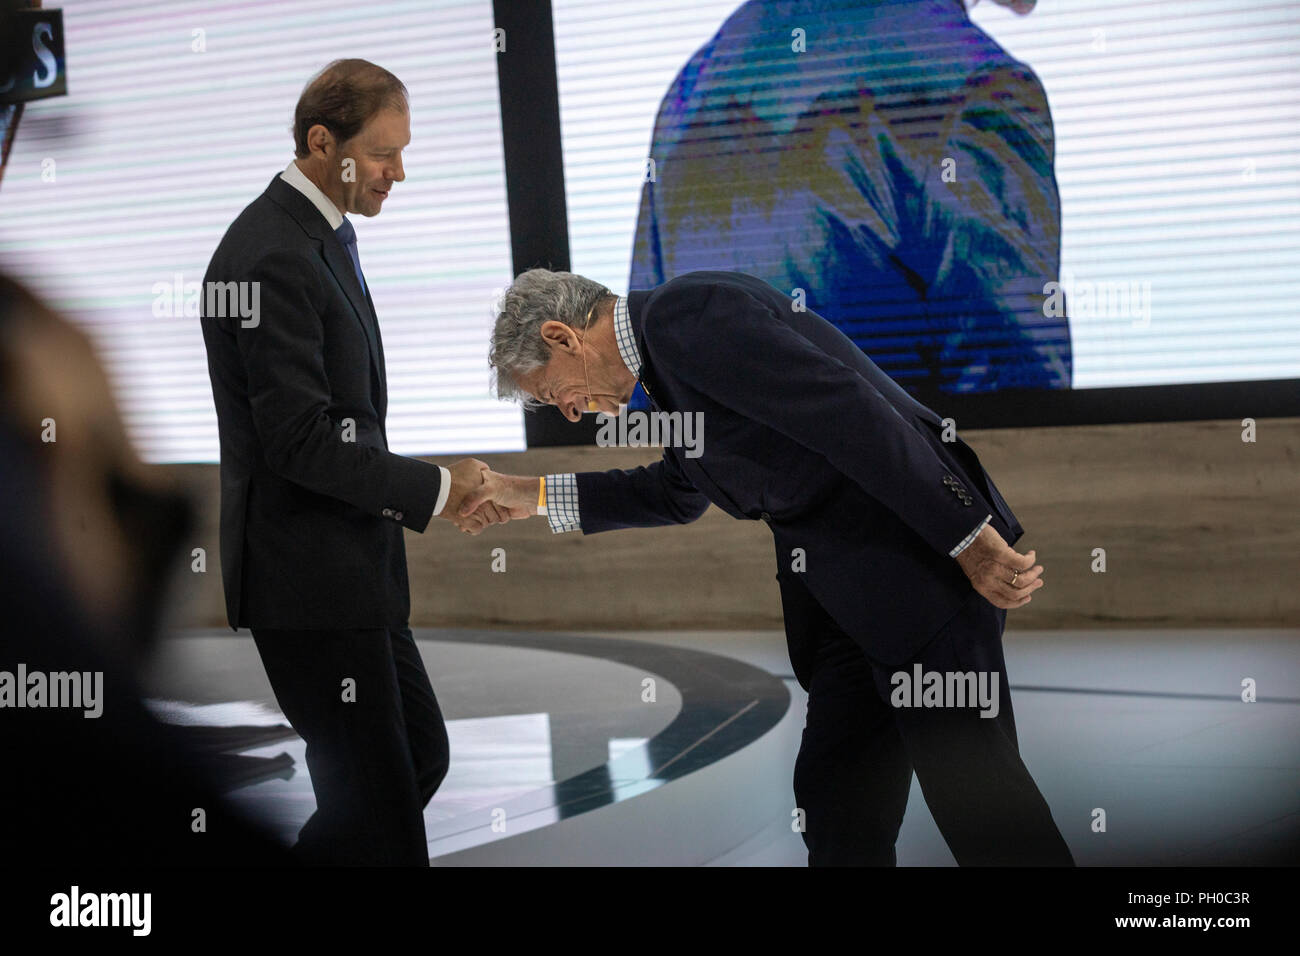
[388,512]
[397,515]
[765,516]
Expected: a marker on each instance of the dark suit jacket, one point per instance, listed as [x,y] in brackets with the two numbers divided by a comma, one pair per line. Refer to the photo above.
[899,170]
[802,430]
[311,524]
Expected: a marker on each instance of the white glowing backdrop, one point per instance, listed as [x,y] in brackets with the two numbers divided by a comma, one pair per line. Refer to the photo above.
[159,145]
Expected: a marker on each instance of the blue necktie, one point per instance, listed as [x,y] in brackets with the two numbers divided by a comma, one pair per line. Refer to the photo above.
[348,236]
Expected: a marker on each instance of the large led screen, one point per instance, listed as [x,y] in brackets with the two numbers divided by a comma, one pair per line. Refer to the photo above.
[1097,193]
[178,115]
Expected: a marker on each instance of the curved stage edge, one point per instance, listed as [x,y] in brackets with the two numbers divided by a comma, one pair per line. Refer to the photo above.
[719,742]
[557,759]
[553,737]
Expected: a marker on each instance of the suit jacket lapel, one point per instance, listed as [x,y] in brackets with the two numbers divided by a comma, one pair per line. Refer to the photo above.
[635,308]
[340,264]
[656,392]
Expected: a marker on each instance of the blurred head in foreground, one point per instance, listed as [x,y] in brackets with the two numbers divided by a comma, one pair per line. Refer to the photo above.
[106,524]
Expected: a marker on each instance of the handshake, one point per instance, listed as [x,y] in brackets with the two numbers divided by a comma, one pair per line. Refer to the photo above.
[480,497]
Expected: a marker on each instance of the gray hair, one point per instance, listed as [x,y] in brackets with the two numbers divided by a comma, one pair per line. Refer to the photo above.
[535,297]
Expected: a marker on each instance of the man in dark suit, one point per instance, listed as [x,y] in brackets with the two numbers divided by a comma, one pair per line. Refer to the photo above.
[312,501]
[892,545]
[889,159]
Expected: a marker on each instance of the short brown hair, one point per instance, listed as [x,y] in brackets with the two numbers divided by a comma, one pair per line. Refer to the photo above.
[342,98]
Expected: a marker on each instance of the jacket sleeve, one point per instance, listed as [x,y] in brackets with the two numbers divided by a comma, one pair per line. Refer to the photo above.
[645,497]
[289,398]
[726,344]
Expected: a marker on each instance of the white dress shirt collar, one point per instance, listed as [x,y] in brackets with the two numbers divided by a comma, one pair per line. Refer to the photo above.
[296,178]
[625,338]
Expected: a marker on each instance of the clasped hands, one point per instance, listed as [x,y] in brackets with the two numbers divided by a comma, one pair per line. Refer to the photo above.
[480,496]
[1005,577]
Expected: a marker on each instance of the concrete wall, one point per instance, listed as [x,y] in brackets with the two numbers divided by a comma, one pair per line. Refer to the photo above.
[1199,528]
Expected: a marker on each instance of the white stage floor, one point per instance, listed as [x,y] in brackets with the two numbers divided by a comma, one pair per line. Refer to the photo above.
[1148,725]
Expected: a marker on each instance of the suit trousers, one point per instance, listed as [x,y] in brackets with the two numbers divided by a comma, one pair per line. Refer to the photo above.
[854,769]
[376,742]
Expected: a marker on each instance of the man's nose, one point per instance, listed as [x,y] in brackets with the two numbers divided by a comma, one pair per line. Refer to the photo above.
[398,173]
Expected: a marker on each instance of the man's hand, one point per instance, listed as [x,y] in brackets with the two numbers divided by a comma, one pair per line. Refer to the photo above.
[991,564]
[513,494]
[467,476]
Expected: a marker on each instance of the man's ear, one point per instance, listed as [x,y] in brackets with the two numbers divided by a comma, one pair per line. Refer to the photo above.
[320,137]
[559,336]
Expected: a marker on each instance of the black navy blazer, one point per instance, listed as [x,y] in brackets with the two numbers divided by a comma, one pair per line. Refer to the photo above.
[311,523]
[802,430]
